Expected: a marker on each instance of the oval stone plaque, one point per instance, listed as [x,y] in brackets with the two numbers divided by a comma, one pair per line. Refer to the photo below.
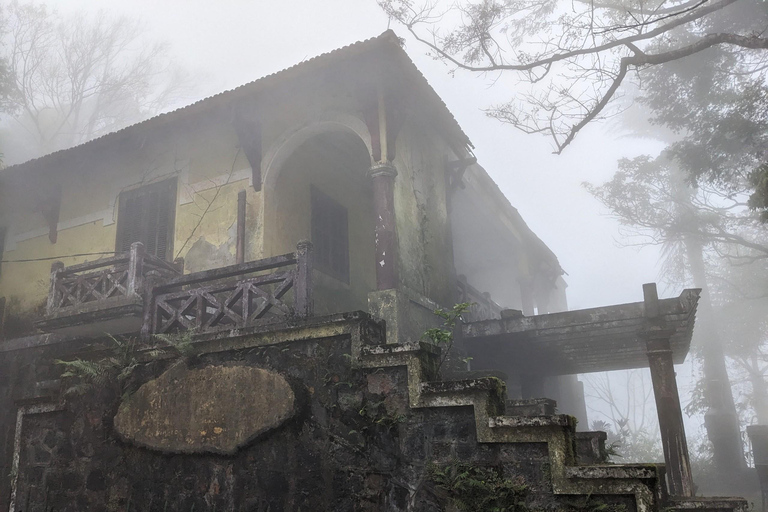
[217,409]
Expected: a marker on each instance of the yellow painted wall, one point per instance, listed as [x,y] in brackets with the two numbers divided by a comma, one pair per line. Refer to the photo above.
[202,156]
[202,159]
[423,228]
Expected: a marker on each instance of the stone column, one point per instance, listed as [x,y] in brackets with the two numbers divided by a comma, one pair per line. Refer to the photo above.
[240,248]
[526,295]
[383,177]
[673,440]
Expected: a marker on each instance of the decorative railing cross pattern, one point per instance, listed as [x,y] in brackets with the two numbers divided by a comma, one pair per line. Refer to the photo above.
[190,303]
[104,281]
[93,286]
[232,297]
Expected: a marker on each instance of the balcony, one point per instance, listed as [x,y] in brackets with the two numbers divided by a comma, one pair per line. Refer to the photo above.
[137,293]
[481,305]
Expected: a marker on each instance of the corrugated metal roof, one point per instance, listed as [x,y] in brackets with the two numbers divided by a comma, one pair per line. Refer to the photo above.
[387,40]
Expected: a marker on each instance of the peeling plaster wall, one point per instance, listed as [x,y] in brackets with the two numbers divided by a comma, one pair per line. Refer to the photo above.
[209,170]
[204,157]
[423,227]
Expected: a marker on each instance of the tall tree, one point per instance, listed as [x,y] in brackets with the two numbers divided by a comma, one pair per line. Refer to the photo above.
[77,77]
[695,226]
[574,59]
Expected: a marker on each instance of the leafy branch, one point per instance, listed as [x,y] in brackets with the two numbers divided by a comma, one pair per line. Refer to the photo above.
[444,336]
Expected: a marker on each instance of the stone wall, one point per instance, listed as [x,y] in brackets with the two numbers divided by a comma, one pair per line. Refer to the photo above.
[316,414]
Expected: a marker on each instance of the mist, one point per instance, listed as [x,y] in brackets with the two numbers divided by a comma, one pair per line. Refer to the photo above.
[211,47]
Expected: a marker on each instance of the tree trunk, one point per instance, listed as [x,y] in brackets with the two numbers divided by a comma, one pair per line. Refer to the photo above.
[759,391]
[721,418]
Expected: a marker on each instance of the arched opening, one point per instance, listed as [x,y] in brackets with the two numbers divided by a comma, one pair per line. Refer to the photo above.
[322,193]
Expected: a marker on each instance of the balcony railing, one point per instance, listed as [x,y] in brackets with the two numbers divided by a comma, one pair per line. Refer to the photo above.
[136,292]
[482,307]
[109,279]
[233,297]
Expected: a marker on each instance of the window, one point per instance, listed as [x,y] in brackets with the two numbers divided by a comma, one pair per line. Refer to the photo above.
[146,215]
[330,236]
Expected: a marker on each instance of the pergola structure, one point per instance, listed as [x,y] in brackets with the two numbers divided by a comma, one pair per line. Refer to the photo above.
[654,333]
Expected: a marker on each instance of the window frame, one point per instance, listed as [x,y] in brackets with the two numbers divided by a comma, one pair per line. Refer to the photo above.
[171,185]
[332,208]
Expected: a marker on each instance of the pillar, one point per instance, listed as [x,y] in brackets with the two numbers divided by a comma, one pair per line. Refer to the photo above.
[240,248]
[383,178]
[526,295]
[673,440]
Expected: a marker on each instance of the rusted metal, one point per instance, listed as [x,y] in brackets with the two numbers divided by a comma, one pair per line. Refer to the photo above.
[240,253]
[673,439]
[383,177]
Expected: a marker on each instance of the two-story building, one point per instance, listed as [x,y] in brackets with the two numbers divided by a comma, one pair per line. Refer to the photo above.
[352,150]
[303,228]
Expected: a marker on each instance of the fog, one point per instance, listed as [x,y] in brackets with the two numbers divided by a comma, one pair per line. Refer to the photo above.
[227,43]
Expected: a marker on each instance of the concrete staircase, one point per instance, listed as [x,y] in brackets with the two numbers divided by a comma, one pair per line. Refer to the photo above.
[577,460]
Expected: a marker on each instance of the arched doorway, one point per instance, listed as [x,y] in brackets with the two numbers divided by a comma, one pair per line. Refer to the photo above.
[322,193]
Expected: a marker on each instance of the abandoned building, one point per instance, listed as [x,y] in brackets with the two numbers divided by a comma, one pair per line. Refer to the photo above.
[249,280]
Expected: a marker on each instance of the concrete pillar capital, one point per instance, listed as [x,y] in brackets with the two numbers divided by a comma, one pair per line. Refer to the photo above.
[382,169]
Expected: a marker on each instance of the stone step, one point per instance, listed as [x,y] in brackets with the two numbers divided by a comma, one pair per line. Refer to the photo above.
[615,472]
[498,420]
[552,420]
[590,447]
[531,407]
[707,504]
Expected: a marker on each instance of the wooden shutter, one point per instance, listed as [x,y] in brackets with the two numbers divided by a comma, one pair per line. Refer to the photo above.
[330,236]
[146,215]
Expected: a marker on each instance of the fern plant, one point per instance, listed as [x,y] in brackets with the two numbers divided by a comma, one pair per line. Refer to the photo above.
[113,370]
[479,489]
[116,369]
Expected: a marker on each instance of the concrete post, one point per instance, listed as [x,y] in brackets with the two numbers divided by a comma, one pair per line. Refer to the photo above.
[240,249]
[135,269]
[303,300]
[56,268]
[673,440]
[383,178]
[526,295]
[151,280]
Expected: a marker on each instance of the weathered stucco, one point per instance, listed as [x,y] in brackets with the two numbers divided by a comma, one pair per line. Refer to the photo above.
[211,167]
[216,409]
